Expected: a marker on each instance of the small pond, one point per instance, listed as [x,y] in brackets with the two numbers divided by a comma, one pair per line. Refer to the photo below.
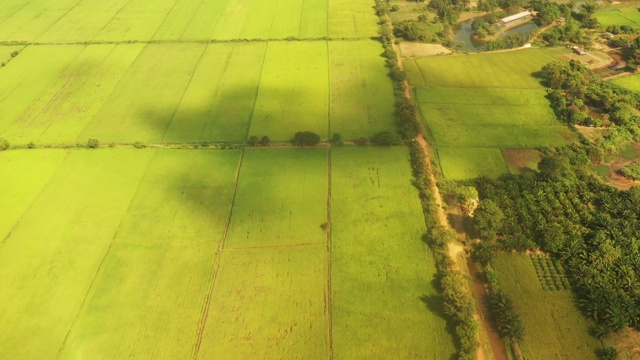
[464,34]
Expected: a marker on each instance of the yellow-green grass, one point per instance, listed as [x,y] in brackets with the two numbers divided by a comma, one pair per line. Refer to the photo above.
[25,173]
[159,267]
[192,92]
[29,74]
[384,302]
[361,92]
[294,91]
[554,327]
[622,16]
[508,70]
[172,20]
[218,104]
[352,18]
[628,82]
[515,118]
[141,106]
[269,303]
[468,162]
[49,261]
[61,110]
[281,198]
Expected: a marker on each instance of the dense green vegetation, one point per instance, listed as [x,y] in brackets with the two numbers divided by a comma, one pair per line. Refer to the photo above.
[631,171]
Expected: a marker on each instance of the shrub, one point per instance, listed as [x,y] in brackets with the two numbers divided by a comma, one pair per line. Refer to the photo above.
[265,141]
[31,145]
[4,144]
[306,138]
[139,145]
[93,143]
[362,141]
[385,138]
[253,141]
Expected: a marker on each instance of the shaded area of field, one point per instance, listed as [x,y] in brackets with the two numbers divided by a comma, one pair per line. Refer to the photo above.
[281,198]
[180,20]
[476,105]
[383,296]
[555,328]
[191,92]
[90,235]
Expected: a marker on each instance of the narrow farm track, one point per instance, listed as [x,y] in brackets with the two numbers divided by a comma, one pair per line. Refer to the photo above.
[329,300]
[214,274]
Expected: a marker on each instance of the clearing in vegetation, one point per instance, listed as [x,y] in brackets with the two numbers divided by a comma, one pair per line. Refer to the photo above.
[384,301]
[623,16]
[554,327]
[628,82]
[489,101]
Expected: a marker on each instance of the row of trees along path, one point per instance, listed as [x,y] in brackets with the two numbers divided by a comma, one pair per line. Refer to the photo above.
[456,249]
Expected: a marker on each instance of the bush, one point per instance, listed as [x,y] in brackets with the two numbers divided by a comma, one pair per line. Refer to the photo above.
[93,143]
[306,138]
[336,139]
[253,141]
[265,141]
[361,141]
[385,138]
[139,145]
[31,145]
[4,144]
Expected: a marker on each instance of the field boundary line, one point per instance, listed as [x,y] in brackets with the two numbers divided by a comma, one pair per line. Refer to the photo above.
[329,290]
[255,98]
[113,239]
[26,3]
[174,42]
[300,21]
[223,77]
[240,248]
[186,89]
[216,267]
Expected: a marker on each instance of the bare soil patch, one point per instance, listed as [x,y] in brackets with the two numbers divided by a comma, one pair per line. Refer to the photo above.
[592,133]
[628,343]
[412,50]
[519,160]
[592,59]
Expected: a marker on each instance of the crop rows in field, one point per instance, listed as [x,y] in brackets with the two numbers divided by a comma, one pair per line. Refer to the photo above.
[550,273]
[555,328]
[187,92]
[623,16]
[183,20]
[161,253]
[474,106]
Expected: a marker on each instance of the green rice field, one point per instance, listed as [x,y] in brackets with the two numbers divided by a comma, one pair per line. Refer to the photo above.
[631,82]
[174,240]
[621,16]
[73,21]
[163,93]
[215,252]
[476,105]
[554,327]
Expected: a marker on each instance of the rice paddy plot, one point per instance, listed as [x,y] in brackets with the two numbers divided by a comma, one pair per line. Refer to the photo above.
[218,104]
[269,303]
[352,18]
[25,173]
[281,198]
[26,21]
[467,163]
[509,70]
[382,275]
[7,53]
[294,91]
[554,327]
[631,82]
[622,16]
[49,260]
[361,92]
[27,75]
[141,106]
[60,112]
